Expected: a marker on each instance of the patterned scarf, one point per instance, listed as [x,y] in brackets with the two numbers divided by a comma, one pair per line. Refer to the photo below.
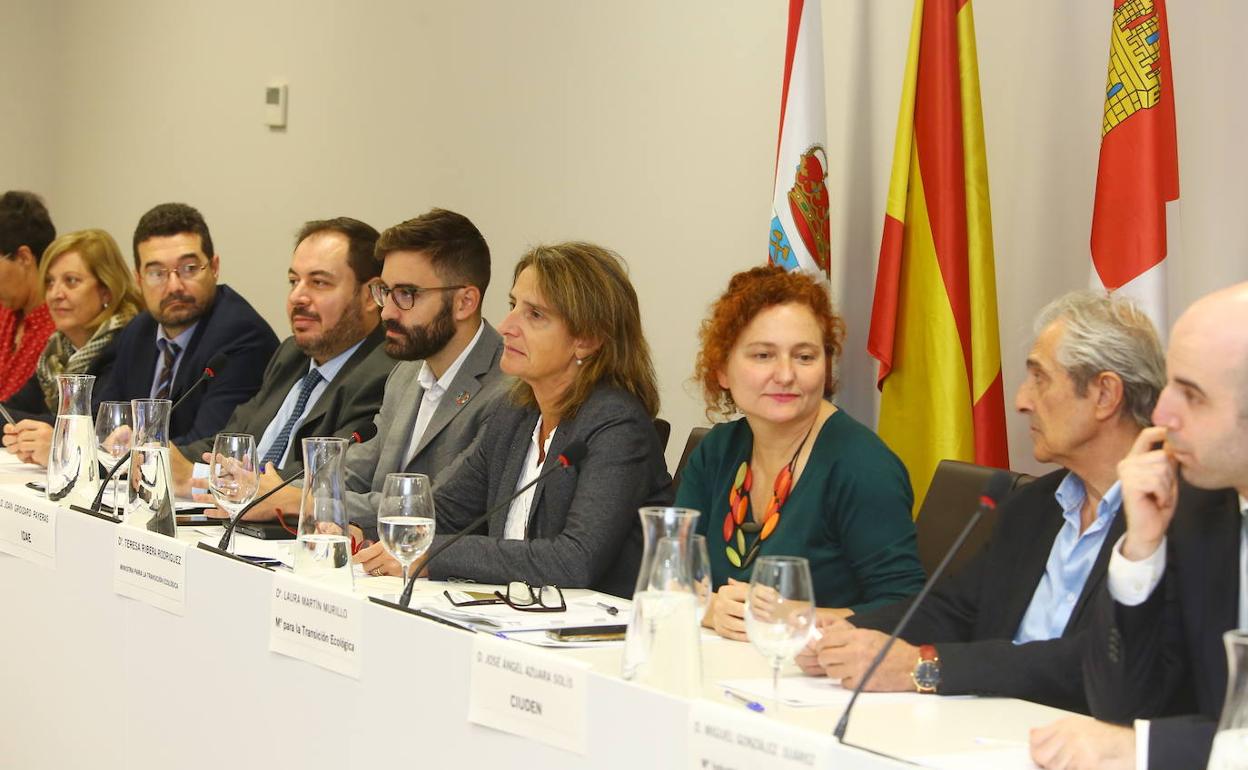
[61,357]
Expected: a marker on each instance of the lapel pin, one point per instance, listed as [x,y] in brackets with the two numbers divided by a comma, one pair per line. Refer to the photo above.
[462,398]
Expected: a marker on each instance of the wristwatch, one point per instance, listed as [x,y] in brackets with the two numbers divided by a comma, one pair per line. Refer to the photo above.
[926,674]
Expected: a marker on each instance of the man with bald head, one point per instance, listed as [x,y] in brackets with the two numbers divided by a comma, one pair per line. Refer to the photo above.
[1178,578]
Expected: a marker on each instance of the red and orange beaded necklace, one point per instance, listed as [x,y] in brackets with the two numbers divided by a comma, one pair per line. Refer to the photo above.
[735,525]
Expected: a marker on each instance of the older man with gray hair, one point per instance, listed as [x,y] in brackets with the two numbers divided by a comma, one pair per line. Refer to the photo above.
[1012,622]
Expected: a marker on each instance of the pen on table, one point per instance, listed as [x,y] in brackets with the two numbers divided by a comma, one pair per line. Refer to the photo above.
[610,610]
[752,705]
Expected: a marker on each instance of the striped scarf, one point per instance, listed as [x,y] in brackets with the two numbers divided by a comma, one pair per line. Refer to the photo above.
[61,357]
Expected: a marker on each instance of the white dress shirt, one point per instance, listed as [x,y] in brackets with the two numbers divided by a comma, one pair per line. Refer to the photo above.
[434,390]
[522,507]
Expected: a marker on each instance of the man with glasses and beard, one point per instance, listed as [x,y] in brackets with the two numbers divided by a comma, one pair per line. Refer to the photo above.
[435,270]
[327,378]
[189,319]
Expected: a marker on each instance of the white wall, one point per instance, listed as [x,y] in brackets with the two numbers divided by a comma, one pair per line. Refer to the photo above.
[28,77]
[648,126]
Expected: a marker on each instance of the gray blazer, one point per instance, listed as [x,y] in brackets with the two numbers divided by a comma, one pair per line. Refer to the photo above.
[456,425]
[347,404]
[584,529]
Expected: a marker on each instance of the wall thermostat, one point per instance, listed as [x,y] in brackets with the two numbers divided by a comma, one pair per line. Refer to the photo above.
[275,105]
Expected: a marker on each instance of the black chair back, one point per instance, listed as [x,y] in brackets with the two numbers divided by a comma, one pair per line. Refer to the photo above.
[695,437]
[950,500]
[664,429]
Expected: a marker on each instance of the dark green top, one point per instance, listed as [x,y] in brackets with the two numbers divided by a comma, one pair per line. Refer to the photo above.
[849,513]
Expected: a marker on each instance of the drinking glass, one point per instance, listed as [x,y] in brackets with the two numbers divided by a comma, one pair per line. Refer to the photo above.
[779,611]
[232,474]
[700,567]
[114,426]
[405,520]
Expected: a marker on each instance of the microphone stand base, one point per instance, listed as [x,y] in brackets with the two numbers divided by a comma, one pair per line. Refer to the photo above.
[418,613]
[229,555]
[100,514]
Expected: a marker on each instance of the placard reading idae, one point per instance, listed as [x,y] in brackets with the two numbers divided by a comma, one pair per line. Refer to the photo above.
[734,738]
[28,528]
[151,568]
[527,692]
[316,624]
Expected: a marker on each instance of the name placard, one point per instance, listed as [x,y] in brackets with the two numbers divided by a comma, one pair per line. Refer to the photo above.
[734,738]
[28,529]
[316,624]
[151,568]
[527,692]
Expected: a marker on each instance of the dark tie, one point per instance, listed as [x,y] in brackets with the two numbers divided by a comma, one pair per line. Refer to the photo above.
[169,356]
[306,386]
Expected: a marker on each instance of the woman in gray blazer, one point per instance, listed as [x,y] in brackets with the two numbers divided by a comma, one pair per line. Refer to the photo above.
[573,342]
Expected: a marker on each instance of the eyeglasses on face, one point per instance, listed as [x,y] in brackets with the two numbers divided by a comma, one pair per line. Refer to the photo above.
[520,596]
[156,276]
[404,296]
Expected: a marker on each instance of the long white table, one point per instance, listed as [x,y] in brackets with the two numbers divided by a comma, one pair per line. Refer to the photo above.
[94,680]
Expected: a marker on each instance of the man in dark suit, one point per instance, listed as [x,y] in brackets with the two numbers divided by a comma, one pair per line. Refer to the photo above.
[326,379]
[434,272]
[1177,578]
[189,319]
[1012,622]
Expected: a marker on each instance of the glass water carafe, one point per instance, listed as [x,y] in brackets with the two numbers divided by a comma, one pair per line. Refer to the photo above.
[149,498]
[73,471]
[1230,743]
[663,646]
[323,544]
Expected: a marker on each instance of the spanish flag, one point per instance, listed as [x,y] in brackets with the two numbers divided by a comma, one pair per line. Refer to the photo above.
[934,321]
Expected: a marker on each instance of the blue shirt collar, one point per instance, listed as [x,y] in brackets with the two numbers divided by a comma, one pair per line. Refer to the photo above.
[329,370]
[182,339]
[1071,493]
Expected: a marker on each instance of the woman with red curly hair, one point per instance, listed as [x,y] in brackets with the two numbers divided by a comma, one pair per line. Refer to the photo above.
[797,476]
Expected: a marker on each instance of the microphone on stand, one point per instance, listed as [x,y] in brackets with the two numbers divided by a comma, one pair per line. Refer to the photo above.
[214,365]
[572,455]
[211,369]
[996,488]
[358,437]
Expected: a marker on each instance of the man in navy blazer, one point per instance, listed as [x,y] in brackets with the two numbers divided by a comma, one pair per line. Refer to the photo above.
[189,319]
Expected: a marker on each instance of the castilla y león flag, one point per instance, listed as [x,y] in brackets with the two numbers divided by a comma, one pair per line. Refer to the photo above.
[1139,167]
[934,319]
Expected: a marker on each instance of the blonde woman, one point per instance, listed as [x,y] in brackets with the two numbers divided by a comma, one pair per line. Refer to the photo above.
[91,295]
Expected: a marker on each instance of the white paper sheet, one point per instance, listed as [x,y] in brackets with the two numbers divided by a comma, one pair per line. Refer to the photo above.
[811,691]
[251,546]
[582,611]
